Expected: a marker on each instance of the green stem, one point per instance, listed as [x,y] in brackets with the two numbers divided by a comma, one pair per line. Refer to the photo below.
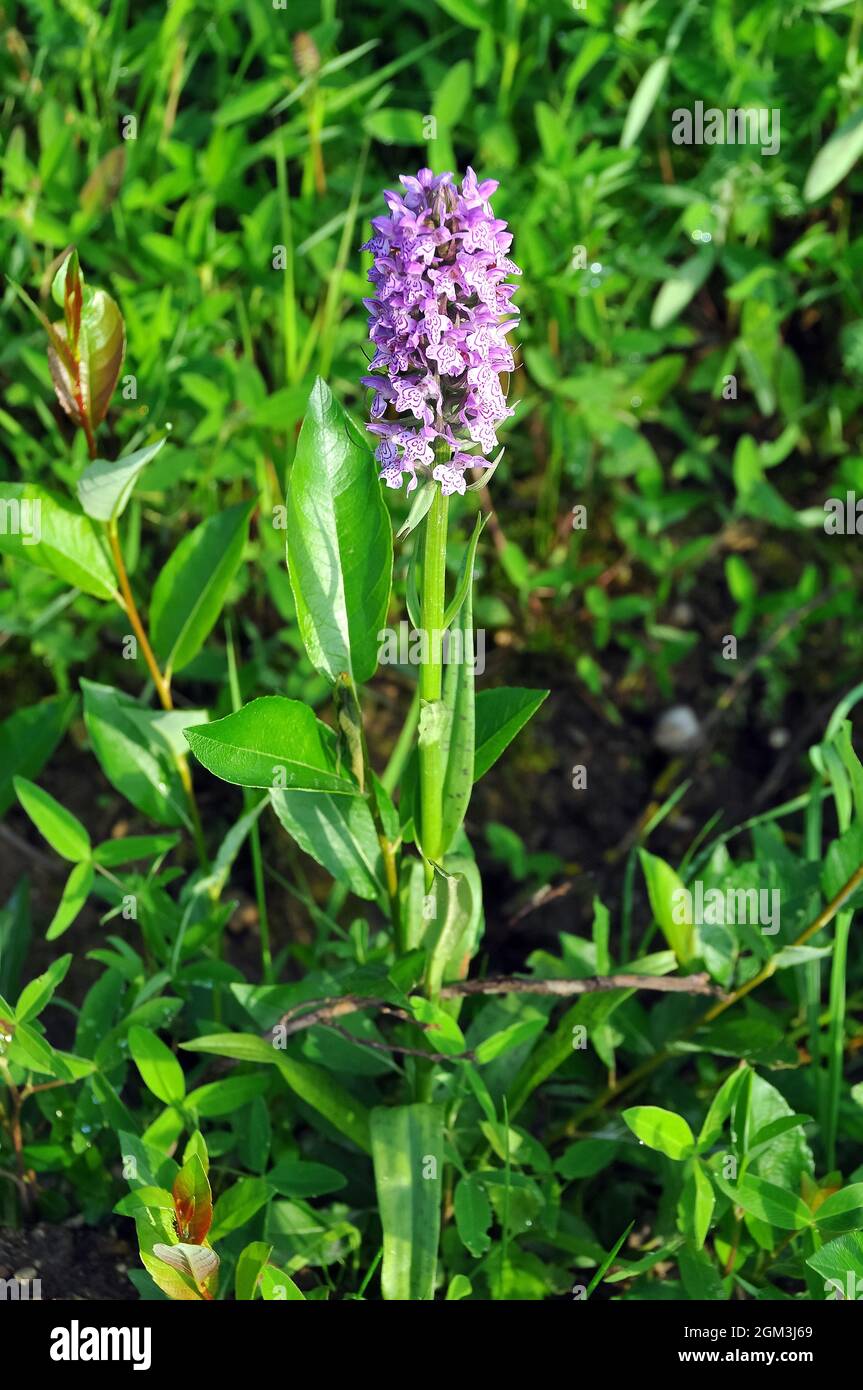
[836,1036]
[389,781]
[431,681]
[433,603]
[289,303]
[162,684]
[350,717]
[809,974]
[255,832]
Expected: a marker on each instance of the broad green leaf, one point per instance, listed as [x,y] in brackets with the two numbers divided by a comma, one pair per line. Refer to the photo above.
[27,740]
[238,1204]
[671,906]
[243,1047]
[63,831]
[133,754]
[442,1031]
[644,100]
[337,831]
[159,1068]
[459,1287]
[323,1093]
[75,894]
[661,1129]
[144,1199]
[788,1156]
[155,1228]
[767,1202]
[197,1262]
[250,1266]
[843,1211]
[763,1139]
[835,159]
[129,848]
[701,1279]
[339,540]
[294,1177]
[143,1164]
[500,715]
[45,529]
[197,1145]
[278,1287]
[395,126]
[190,591]
[176,1286]
[104,488]
[38,992]
[697,1200]
[226,1096]
[165,1130]
[840,1265]
[407,1150]
[472,1215]
[29,1049]
[452,94]
[271,742]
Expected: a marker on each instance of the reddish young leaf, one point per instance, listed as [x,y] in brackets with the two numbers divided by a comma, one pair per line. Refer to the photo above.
[85,384]
[73,299]
[193,1202]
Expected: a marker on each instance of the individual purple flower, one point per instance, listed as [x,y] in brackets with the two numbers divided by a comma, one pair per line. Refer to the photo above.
[439,320]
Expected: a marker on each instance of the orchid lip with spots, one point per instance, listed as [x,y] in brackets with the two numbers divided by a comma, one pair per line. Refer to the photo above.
[439,321]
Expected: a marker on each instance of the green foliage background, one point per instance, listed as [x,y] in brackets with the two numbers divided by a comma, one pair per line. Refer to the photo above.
[701,262]
[216,166]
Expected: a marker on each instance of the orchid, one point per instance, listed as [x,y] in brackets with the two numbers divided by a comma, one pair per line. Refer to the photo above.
[439,321]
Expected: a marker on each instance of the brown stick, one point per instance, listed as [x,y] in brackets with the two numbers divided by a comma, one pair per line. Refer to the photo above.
[594,984]
[310,1012]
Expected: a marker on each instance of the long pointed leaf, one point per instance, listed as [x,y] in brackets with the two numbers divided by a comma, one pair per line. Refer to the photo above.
[407,1149]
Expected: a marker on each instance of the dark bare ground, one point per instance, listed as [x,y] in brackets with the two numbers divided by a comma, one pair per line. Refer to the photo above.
[70,1261]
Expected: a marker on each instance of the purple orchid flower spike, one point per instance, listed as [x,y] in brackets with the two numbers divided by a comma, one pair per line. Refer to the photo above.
[439,320]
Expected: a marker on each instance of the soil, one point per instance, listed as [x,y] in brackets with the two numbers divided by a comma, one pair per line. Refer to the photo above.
[70,1261]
